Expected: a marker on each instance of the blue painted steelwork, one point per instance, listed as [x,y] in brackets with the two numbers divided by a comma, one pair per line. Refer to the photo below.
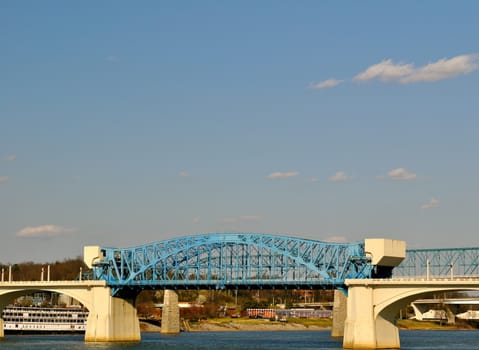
[233,261]
[442,262]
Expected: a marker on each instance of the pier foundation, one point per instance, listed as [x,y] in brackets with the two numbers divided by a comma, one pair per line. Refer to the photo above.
[364,329]
[112,320]
[170,314]
[339,313]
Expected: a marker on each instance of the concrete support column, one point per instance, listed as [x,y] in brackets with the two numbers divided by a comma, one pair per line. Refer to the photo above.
[451,317]
[3,303]
[2,335]
[363,328]
[112,319]
[170,314]
[339,313]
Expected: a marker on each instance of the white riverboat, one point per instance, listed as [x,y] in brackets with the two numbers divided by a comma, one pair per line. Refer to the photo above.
[20,319]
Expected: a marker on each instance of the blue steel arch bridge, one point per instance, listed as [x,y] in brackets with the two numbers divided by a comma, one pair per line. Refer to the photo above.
[232,261]
[260,261]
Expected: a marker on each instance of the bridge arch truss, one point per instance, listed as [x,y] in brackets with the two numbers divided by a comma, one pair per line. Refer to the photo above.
[233,261]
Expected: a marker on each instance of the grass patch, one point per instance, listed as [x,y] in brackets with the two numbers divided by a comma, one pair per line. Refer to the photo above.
[320,322]
[429,325]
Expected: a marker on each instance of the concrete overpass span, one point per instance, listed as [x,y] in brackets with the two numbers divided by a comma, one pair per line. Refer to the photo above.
[109,319]
[444,309]
[373,305]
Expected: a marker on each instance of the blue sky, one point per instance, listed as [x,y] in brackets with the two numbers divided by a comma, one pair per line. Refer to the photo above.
[123,123]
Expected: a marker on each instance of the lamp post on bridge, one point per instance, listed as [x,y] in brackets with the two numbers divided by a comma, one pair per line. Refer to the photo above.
[428,263]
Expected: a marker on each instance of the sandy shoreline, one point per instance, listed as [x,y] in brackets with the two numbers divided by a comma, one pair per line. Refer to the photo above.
[265,327]
[236,327]
[232,326]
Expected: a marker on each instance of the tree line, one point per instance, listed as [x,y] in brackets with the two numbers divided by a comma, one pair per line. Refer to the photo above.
[68,269]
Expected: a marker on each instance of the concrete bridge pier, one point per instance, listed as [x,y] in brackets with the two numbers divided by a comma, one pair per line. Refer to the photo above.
[112,319]
[363,328]
[339,313]
[170,314]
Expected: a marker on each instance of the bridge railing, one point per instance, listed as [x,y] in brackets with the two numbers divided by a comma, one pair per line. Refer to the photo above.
[444,262]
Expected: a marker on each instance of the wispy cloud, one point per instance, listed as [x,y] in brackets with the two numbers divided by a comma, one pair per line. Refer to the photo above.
[330,83]
[282,175]
[401,174]
[406,73]
[196,220]
[3,179]
[340,176]
[183,174]
[11,157]
[244,218]
[44,231]
[313,180]
[433,203]
[385,70]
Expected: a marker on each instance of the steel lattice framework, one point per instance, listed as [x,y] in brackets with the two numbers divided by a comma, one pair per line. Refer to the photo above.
[232,261]
[439,262]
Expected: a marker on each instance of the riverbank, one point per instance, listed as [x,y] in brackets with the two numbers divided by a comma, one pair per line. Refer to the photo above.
[245,325]
[252,325]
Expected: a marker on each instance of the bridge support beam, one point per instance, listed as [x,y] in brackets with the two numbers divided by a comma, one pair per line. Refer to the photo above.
[112,319]
[364,329]
[451,317]
[170,314]
[339,313]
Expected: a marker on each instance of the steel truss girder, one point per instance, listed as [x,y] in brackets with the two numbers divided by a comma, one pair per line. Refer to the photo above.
[234,261]
[441,262]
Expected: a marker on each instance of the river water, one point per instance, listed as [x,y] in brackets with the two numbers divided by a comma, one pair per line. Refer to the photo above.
[304,340]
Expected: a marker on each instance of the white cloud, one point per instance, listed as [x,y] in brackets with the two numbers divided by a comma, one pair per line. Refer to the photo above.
[183,174]
[444,68]
[44,231]
[340,176]
[406,73]
[282,175]
[3,179]
[12,157]
[196,220]
[313,180]
[401,174]
[433,203]
[325,84]
[386,71]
